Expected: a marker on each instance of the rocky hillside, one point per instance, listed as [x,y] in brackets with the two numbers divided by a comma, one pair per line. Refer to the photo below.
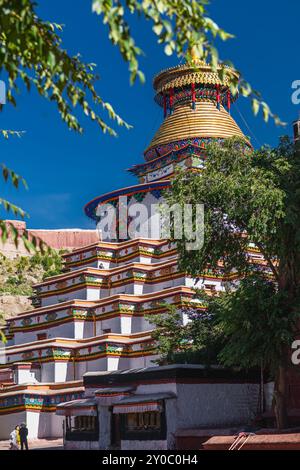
[19,274]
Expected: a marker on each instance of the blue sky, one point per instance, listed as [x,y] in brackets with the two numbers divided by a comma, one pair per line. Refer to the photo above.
[65,170]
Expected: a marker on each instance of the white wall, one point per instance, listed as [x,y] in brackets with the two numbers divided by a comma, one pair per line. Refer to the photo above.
[78,329]
[47,372]
[112,323]
[92,294]
[199,405]
[65,330]
[211,405]
[64,371]
[126,323]
[43,424]
[33,424]
[22,376]
[39,424]
[61,371]
[8,422]
[140,362]
[80,294]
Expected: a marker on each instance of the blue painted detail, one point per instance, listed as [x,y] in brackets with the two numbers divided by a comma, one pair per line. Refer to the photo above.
[90,208]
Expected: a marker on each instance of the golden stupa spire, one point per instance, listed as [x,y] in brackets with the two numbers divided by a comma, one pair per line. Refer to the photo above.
[196,101]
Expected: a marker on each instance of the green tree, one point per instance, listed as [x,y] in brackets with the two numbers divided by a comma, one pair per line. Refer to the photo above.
[199,340]
[249,197]
[246,328]
[170,335]
[257,330]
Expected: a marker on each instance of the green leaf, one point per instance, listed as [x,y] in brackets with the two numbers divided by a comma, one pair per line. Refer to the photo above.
[51,59]
[157,28]
[168,49]
[255,106]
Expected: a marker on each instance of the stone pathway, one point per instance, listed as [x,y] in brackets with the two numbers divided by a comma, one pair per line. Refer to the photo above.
[40,444]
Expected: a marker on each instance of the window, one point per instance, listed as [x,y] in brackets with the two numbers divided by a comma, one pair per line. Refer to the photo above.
[210,286]
[81,428]
[41,336]
[149,420]
[149,425]
[85,423]
[81,423]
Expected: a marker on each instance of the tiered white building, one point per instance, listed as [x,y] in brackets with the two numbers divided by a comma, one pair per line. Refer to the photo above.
[92,317]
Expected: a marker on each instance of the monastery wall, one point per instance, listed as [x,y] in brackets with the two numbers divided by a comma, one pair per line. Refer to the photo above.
[233,404]
[124,324]
[64,371]
[9,421]
[40,424]
[59,239]
[192,407]
[138,287]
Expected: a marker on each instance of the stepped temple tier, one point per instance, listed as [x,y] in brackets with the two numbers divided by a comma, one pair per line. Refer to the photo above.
[68,366]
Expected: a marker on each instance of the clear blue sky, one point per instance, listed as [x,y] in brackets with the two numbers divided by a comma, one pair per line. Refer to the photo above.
[65,170]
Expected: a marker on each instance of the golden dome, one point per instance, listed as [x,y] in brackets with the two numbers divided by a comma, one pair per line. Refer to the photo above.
[203,121]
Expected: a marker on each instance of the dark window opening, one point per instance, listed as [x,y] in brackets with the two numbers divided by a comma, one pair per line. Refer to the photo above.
[210,286]
[41,336]
[81,428]
[149,420]
[85,423]
[149,425]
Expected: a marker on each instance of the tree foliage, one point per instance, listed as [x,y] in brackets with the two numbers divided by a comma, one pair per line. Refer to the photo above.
[31,52]
[199,339]
[171,336]
[248,197]
[251,198]
[19,274]
[179,25]
[246,327]
[8,229]
[254,322]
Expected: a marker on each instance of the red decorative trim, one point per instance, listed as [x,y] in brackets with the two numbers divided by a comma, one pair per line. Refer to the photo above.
[171,100]
[165,106]
[228,100]
[193,96]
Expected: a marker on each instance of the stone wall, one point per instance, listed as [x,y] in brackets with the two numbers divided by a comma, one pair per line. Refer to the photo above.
[59,239]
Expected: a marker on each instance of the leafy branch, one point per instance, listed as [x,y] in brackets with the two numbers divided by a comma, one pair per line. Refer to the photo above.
[31,51]
[180,26]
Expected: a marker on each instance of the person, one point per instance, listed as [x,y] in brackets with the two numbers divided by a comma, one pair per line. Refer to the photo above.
[18,435]
[23,436]
[13,440]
